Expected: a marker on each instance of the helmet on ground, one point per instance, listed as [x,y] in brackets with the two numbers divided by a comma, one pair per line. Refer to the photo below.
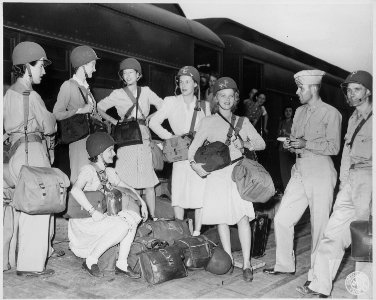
[190,71]
[27,52]
[82,55]
[362,77]
[224,83]
[98,142]
[130,63]
[220,262]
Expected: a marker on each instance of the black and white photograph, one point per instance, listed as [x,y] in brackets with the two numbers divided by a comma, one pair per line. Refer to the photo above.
[188,149]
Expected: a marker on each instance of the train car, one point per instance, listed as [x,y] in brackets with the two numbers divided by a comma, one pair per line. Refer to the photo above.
[255,60]
[159,36]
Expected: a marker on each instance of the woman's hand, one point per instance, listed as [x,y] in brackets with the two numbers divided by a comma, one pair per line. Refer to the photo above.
[197,167]
[98,216]
[87,109]
[238,143]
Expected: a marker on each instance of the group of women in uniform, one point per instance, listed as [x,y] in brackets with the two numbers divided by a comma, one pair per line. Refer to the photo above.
[214,195]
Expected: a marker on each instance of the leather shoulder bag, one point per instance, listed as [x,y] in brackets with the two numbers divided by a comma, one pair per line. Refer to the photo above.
[361,240]
[127,132]
[39,190]
[75,211]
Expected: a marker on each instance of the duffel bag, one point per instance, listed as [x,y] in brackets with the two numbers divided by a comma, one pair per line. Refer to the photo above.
[139,245]
[254,183]
[214,156]
[197,251]
[160,265]
[75,211]
[165,230]
[40,190]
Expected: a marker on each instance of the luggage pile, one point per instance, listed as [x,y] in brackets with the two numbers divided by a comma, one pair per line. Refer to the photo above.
[164,250]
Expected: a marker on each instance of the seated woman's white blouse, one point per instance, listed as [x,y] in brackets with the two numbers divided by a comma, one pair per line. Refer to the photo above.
[91,177]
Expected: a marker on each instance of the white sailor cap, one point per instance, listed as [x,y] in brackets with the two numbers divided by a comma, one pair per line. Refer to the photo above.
[309,77]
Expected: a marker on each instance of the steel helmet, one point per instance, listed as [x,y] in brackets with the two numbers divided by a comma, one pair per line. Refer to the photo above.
[220,262]
[98,142]
[224,83]
[26,52]
[82,55]
[190,71]
[130,63]
[362,77]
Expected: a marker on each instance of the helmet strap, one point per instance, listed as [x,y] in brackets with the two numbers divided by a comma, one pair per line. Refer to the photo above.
[86,76]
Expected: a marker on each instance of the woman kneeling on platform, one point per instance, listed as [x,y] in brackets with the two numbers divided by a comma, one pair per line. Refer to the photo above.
[90,237]
[222,202]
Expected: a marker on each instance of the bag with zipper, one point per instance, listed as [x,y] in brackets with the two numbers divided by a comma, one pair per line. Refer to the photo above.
[176,148]
[39,190]
[139,245]
[197,251]
[128,132]
[165,230]
[163,264]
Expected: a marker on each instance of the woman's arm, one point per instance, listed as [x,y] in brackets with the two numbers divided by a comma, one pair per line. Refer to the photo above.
[159,117]
[252,140]
[105,104]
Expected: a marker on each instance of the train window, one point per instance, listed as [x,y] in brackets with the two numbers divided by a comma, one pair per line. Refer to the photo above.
[206,59]
[107,67]
[252,72]
[162,80]
[8,44]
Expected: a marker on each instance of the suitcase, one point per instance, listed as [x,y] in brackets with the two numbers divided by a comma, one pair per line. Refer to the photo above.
[260,231]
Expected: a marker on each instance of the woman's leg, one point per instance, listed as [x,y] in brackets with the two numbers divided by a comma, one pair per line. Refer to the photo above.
[114,236]
[245,238]
[179,212]
[224,235]
[125,247]
[150,200]
[198,222]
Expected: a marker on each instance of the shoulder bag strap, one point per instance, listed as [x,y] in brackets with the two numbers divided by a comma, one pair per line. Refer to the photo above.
[25,95]
[102,175]
[194,117]
[135,102]
[231,129]
[357,129]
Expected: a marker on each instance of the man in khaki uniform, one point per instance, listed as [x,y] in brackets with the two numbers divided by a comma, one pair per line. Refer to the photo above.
[354,198]
[315,136]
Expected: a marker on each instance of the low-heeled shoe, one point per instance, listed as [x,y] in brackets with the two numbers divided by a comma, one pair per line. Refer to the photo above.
[36,273]
[129,273]
[93,271]
[272,272]
[305,290]
[248,274]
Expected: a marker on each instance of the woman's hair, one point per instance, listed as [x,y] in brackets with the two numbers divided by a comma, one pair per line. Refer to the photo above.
[19,70]
[233,108]
[93,159]
[261,92]
[283,111]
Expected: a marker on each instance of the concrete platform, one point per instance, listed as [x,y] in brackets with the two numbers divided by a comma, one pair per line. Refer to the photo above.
[70,281]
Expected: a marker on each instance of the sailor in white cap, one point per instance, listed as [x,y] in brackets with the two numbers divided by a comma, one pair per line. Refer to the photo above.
[315,136]
[354,198]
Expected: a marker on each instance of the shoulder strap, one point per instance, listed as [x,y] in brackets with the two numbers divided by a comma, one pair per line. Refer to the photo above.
[25,95]
[194,117]
[231,129]
[101,175]
[357,129]
[134,100]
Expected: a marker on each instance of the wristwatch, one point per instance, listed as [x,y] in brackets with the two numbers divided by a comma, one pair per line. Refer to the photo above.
[191,162]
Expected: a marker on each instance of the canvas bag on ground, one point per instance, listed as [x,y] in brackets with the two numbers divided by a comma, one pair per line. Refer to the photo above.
[160,265]
[128,132]
[165,230]
[176,148]
[197,251]
[39,190]
[361,240]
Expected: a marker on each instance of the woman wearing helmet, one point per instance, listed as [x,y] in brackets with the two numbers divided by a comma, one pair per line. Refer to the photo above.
[187,187]
[70,101]
[134,164]
[223,205]
[90,237]
[29,60]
